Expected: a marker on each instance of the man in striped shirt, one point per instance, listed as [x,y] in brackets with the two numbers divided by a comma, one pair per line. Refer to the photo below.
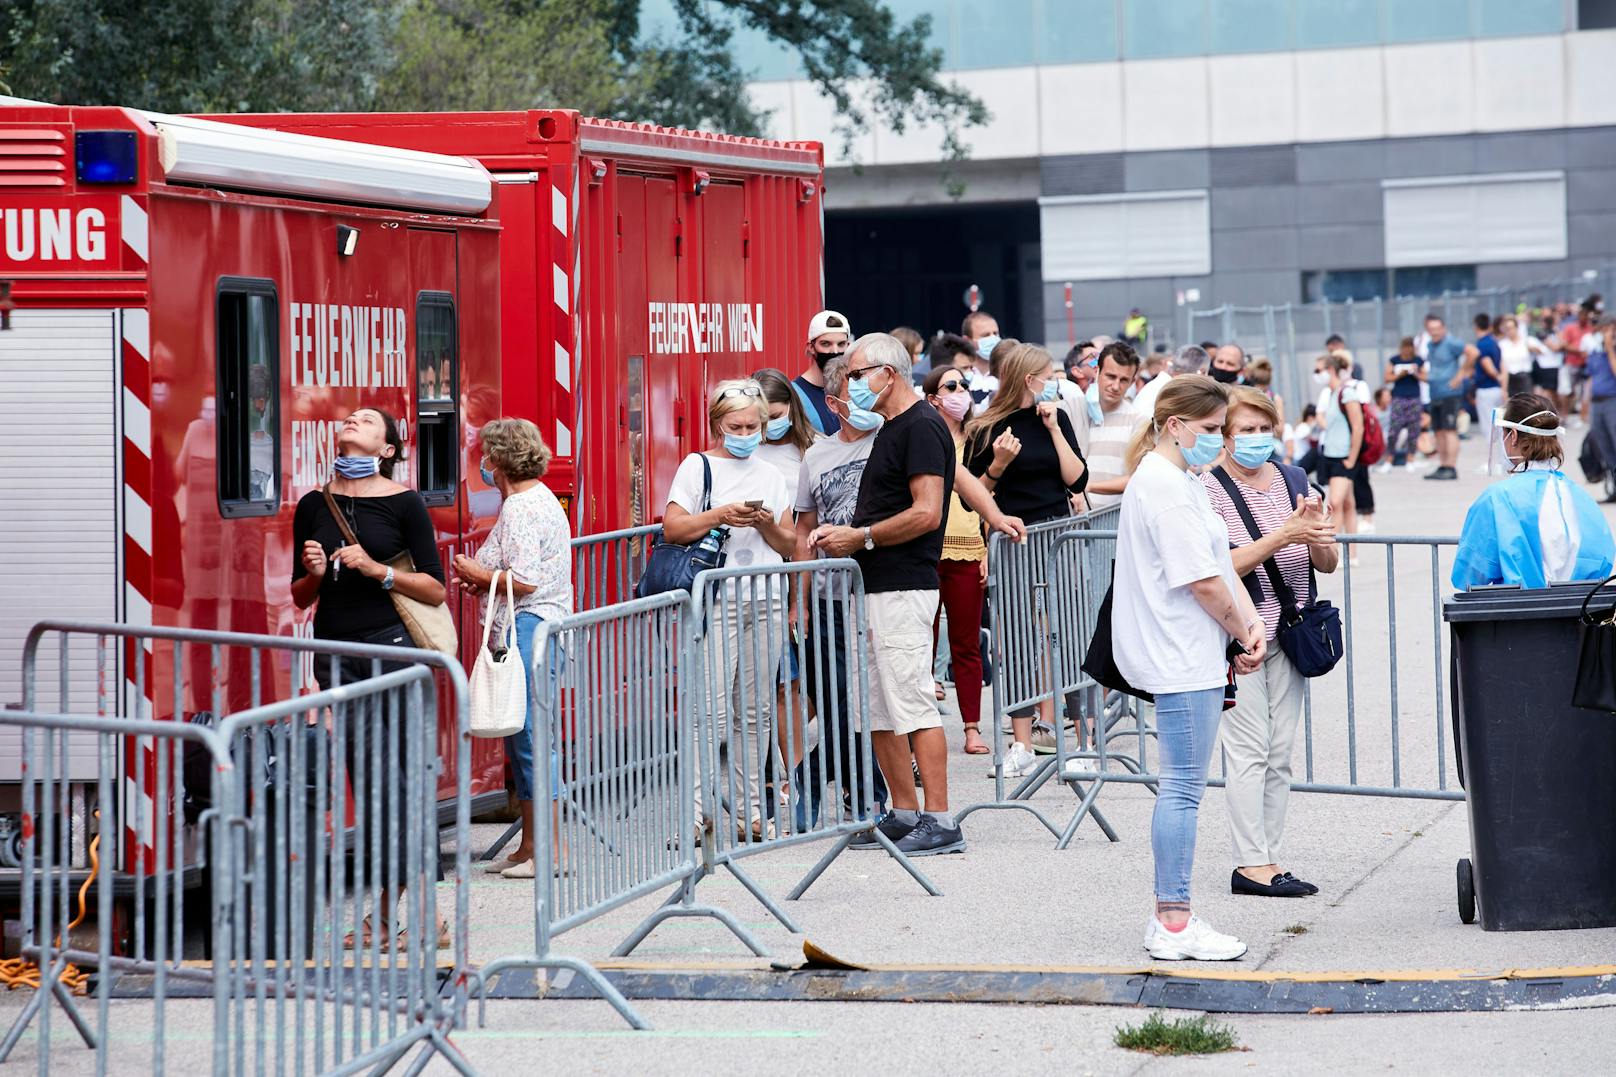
[1112,420]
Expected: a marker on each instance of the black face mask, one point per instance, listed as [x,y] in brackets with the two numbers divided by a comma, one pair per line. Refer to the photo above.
[1226,377]
[824,358]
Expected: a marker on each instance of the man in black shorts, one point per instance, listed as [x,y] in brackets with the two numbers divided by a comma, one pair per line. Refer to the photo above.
[1447,362]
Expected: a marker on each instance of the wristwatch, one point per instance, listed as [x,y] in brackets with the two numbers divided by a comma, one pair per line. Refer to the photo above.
[869,539]
[387,580]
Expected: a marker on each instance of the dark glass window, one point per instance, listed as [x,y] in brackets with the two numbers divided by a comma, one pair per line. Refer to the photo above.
[437,394]
[1433,280]
[1340,285]
[248,399]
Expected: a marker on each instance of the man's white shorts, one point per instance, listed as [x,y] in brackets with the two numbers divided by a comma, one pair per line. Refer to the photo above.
[901,699]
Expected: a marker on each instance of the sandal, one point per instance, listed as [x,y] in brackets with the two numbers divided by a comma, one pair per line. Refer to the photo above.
[980,747]
[365,937]
[402,943]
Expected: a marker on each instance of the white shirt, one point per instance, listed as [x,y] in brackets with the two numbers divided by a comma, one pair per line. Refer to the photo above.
[1107,450]
[1167,539]
[532,539]
[786,458]
[1076,407]
[1517,355]
[735,480]
[1144,403]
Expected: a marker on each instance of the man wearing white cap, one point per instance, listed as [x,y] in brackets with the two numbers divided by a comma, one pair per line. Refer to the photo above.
[828,334]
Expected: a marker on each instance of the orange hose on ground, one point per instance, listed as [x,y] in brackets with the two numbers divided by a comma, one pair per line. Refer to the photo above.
[20,972]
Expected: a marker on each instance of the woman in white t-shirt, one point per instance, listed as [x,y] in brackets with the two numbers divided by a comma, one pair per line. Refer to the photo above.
[1176,604]
[751,509]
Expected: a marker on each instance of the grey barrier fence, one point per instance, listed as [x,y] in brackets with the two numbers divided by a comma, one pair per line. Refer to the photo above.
[329,806]
[1292,335]
[605,567]
[309,818]
[1359,735]
[673,721]
[1022,610]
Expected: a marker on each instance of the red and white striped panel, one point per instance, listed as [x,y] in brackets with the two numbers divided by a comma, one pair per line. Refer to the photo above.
[564,282]
[140,771]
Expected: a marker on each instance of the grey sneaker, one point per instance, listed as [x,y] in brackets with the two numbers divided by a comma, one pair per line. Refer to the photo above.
[929,839]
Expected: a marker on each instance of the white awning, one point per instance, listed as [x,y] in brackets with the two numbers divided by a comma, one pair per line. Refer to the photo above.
[276,162]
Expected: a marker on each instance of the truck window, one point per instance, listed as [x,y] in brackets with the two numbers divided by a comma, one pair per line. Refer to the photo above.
[248,397]
[437,395]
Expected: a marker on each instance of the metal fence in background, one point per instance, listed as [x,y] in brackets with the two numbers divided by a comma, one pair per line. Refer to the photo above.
[355,782]
[1023,608]
[1292,335]
[309,821]
[1359,733]
[605,567]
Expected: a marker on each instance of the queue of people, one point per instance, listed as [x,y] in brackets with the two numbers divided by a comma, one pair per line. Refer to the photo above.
[1221,540]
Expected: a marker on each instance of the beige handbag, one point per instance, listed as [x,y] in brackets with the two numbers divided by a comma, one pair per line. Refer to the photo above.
[431,627]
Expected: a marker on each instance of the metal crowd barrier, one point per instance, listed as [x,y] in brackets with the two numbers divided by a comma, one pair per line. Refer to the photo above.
[670,723]
[605,567]
[302,817]
[1023,609]
[1358,736]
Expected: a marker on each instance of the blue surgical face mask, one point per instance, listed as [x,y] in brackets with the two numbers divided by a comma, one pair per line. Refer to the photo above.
[488,476]
[1092,398]
[860,419]
[1050,391]
[742,445]
[1204,451]
[1253,450]
[860,393]
[358,467]
[985,346]
[779,428]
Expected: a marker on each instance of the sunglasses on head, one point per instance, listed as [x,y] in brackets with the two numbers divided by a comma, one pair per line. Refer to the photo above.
[743,390]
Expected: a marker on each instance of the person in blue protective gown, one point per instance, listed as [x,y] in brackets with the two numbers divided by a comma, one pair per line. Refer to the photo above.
[1535,527]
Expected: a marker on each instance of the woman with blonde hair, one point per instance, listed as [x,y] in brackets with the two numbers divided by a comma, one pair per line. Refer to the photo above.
[531,542]
[728,490]
[1259,375]
[1177,609]
[1024,450]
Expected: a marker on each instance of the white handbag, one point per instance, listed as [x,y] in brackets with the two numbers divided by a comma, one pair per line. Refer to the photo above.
[499,683]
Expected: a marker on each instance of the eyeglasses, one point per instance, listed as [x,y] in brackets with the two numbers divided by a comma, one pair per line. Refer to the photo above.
[950,386]
[742,390]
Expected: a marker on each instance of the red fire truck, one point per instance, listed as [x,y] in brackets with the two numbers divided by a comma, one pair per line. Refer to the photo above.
[197,306]
[638,265]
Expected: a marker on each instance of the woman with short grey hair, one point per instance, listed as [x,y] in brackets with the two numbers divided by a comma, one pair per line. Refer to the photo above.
[531,541]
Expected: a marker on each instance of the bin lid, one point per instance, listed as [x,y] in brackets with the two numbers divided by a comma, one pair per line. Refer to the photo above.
[1514,603]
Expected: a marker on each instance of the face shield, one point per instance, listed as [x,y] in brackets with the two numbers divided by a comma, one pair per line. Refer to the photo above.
[1499,461]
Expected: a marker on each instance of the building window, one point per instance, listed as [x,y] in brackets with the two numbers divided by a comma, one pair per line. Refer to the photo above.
[1433,280]
[437,393]
[1116,237]
[1596,14]
[1459,220]
[247,403]
[1340,285]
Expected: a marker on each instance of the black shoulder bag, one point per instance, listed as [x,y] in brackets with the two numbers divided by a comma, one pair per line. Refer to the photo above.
[1595,684]
[1309,633]
[672,567]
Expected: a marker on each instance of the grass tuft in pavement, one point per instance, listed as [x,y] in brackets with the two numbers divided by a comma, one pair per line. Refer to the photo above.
[1184,1036]
[1296,929]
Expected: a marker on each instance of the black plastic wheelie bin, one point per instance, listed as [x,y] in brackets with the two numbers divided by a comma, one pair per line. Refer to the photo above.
[1538,772]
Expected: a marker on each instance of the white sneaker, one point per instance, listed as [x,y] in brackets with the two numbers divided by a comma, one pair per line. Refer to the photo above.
[1384,468]
[1197,942]
[1366,527]
[1413,466]
[1018,761]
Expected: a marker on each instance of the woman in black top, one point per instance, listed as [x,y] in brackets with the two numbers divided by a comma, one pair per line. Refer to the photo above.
[351,585]
[1025,451]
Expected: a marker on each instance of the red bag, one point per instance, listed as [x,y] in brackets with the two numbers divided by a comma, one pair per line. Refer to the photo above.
[1374,438]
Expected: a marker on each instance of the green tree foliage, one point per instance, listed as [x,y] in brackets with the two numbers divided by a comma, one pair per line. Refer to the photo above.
[197,55]
[326,55]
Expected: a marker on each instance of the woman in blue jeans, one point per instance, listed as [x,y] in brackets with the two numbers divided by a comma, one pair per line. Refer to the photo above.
[1176,607]
[530,540]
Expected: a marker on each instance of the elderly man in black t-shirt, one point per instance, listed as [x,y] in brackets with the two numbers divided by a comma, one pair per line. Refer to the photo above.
[897,538]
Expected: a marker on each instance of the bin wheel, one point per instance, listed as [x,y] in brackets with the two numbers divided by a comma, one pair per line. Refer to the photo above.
[1467,893]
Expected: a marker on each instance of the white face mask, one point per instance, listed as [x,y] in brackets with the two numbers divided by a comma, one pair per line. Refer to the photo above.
[1321,378]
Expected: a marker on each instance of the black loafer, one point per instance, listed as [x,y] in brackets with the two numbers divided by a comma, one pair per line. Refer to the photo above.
[1281,885]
